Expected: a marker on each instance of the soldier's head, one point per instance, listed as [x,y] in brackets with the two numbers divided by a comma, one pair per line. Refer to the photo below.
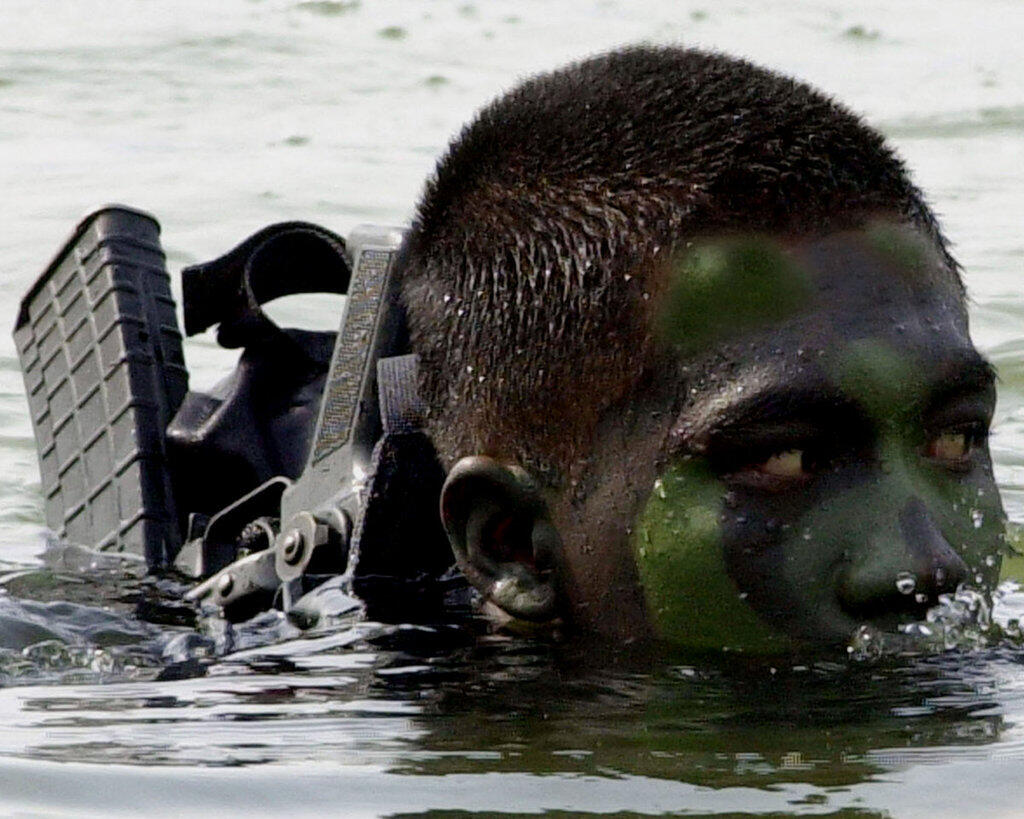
[696,354]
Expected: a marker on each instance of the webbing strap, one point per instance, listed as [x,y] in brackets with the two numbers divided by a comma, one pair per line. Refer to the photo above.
[401,408]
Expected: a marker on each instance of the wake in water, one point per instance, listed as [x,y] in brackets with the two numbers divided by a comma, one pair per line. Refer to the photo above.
[87,617]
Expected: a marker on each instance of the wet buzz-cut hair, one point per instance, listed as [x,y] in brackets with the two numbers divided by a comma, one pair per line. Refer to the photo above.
[527,275]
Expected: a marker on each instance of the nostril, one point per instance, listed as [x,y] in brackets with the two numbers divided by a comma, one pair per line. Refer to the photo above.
[871,592]
[951,573]
[901,574]
[937,567]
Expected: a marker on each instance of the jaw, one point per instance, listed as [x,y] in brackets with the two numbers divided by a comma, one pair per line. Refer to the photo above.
[597,515]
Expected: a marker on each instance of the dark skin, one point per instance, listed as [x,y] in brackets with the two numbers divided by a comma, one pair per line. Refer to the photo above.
[787,473]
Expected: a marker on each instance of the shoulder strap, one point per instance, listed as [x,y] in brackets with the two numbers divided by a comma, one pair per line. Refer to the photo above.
[401,408]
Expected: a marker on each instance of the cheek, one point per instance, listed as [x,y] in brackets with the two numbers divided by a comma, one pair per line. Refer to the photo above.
[677,543]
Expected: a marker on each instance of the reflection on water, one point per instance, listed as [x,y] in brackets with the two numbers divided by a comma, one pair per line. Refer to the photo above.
[426,703]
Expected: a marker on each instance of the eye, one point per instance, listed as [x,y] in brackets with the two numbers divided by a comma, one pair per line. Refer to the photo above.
[779,471]
[789,464]
[954,447]
[949,446]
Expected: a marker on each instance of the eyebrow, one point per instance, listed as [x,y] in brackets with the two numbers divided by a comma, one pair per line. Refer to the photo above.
[756,399]
[975,375]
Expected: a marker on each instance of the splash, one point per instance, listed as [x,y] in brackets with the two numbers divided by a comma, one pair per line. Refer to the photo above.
[966,620]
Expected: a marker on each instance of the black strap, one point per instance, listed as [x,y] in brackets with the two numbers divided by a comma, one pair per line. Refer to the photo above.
[401,408]
[282,259]
[399,533]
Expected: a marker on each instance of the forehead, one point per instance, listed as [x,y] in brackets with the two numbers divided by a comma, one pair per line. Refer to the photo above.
[884,280]
[869,313]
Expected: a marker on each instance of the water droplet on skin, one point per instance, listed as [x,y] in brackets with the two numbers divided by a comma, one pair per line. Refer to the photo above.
[977,518]
[906,583]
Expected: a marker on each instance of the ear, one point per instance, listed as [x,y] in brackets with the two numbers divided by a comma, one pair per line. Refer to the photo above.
[502,536]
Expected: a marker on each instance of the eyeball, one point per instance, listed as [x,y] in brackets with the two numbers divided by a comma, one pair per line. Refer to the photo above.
[789,464]
[782,471]
[949,446]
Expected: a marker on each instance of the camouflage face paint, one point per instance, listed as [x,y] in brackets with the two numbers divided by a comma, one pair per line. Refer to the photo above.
[677,543]
[727,287]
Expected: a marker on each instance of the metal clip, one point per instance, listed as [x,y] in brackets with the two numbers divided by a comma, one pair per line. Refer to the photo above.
[247,576]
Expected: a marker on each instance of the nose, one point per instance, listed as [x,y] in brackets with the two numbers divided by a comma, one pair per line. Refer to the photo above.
[937,567]
[906,576]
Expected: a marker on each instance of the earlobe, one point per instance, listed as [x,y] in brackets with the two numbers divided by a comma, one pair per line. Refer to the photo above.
[502,536]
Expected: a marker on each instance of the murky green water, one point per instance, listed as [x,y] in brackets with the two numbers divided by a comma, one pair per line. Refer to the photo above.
[222,117]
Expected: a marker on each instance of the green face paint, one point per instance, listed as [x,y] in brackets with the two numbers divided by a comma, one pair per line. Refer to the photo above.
[883,380]
[723,288]
[677,542]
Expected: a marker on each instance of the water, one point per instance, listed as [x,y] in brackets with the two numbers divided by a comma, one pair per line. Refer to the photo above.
[222,117]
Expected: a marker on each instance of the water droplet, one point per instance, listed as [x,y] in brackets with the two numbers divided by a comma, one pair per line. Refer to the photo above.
[906,583]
